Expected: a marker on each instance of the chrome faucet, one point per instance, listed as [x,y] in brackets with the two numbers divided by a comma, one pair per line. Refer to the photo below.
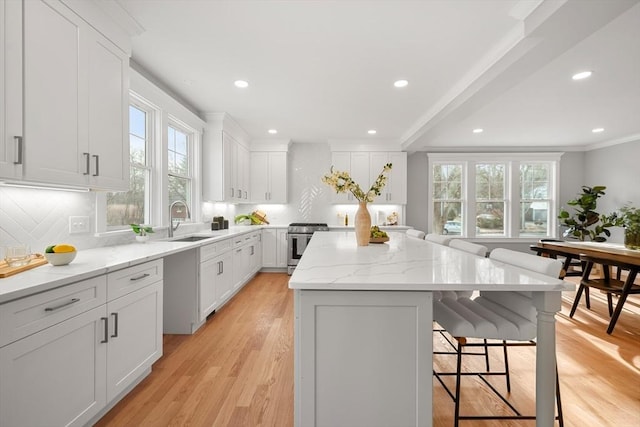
[171,206]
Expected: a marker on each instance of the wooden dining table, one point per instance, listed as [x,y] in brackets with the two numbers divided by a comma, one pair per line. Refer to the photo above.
[609,251]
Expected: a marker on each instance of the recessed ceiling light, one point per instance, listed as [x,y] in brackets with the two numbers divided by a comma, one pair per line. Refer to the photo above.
[478,130]
[372,131]
[597,130]
[272,131]
[241,83]
[401,83]
[581,75]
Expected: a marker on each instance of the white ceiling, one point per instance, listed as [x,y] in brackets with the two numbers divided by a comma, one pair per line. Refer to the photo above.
[324,70]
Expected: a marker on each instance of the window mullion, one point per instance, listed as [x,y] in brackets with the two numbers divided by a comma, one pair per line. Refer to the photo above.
[469,191]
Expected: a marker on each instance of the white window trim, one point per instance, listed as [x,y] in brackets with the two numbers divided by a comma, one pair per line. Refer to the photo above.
[512,161]
[195,153]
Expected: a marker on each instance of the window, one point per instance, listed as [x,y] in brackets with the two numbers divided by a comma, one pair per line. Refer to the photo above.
[179,159]
[447,198]
[490,198]
[493,195]
[535,203]
[133,206]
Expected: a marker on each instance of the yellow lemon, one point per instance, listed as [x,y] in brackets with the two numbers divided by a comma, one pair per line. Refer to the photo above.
[63,248]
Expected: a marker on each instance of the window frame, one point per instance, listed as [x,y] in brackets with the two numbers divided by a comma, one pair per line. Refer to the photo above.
[191,162]
[512,194]
[157,156]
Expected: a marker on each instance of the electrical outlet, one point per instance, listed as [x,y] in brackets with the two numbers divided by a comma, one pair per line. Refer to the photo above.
[79,224]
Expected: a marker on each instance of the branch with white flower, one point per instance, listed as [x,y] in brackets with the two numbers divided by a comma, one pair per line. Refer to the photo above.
[342,182]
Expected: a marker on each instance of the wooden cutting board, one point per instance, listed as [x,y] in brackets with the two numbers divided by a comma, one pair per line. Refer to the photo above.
[36,261]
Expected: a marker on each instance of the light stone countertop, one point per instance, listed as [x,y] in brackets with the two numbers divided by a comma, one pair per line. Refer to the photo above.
[94,262]
[332,260]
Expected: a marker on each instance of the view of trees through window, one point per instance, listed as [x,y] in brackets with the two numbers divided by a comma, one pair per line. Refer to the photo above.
[490,198]
[129,207]
[535,187]
[447,198]
[179,181]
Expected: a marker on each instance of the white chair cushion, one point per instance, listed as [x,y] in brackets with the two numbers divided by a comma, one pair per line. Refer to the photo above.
[481,318]
[470,247]
[415,233]
[438,238]
[547,266]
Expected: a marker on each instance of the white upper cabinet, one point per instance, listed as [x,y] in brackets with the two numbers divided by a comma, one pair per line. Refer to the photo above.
[11,147]
[226,164]
[395,191]
[64,92]
[365,166]
[356,163]
[269,176]
[75,101]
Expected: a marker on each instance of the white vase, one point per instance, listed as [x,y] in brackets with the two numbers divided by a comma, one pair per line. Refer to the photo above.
[142,239]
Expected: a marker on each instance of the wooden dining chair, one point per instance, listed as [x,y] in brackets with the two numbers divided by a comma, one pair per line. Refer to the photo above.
[608,285]
[509,317]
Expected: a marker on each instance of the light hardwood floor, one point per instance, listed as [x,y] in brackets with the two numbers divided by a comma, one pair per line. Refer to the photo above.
[237,370]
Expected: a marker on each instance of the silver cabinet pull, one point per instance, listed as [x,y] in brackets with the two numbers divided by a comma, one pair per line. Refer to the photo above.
[87,165]
[142,276]
[266,196]
[115,325]
[246,195]
[220,268]
[95,156]
[233,192]
[57,307]
[18,140]
[106,330]
[252,250]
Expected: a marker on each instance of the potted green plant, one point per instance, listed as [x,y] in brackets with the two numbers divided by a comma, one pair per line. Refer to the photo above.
[630,219]
[586,222]
[141,231]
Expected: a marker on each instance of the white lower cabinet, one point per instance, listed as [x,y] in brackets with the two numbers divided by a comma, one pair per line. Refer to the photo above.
[247,257]
[274,248]
[224,279]
[92,340]
[215,283]
[135,336]
[56,377]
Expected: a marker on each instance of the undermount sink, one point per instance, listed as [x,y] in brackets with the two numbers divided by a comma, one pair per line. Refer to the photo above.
[191,239]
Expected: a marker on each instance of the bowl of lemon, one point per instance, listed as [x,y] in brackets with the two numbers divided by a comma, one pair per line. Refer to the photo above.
[61,254]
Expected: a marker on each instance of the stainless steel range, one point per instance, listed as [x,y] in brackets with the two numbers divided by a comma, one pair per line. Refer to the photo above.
[298,236]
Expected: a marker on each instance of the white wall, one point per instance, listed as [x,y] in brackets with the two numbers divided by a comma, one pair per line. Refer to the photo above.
[417,191]
[618,168]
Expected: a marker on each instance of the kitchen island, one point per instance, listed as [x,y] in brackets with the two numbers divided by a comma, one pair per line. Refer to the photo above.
[363,327]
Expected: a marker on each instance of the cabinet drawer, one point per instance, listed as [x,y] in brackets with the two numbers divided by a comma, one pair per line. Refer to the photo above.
[243,239]
[34,313]
[210,251]
[129,279]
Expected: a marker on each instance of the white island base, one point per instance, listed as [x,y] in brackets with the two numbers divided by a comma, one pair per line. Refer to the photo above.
[363,327]
[364,358]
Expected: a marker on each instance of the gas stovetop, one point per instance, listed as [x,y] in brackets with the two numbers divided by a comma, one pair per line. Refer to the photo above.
[307,227]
